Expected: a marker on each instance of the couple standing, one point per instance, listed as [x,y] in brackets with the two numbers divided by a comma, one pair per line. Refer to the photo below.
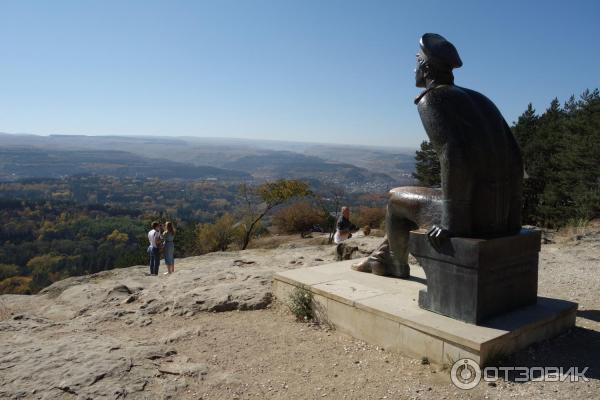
[161,239]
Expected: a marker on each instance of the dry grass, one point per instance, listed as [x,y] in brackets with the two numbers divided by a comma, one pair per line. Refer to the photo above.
[577,228]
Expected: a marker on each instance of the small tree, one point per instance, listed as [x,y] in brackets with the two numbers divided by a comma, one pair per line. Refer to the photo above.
[43,270]
[331,202]
[186,239]
[217,236]
[258,201]
[427,165]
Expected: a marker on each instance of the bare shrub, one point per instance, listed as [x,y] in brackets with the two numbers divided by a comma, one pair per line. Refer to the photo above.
[575,229]
[300,304]
[16,285]
[299,217]
[372,217]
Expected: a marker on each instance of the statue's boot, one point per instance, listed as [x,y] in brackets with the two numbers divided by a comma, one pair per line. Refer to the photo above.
[380,263]
[364,266]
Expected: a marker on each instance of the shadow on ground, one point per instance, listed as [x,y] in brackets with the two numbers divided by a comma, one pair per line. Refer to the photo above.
[579,347]
[592,315]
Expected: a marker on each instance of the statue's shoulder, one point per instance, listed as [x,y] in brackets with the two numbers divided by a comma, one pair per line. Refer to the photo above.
[440,95]
[478,97]
[452,96]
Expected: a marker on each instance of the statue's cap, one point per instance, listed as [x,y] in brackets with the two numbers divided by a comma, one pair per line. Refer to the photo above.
[439,51]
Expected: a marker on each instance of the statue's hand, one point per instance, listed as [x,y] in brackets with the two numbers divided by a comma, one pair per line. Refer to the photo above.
[437,236]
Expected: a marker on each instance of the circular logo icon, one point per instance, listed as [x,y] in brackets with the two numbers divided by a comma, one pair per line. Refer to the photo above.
[465,373]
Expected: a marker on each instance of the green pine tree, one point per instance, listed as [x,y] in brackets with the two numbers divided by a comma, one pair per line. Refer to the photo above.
[427,165]
[525,131]
[561,153]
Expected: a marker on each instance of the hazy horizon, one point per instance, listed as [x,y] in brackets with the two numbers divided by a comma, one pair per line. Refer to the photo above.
[224,139]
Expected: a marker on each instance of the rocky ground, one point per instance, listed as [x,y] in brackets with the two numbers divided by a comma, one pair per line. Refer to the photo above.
[212,331]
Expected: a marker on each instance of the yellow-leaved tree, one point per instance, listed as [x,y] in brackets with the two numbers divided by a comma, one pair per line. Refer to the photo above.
[218,236]
[258,201]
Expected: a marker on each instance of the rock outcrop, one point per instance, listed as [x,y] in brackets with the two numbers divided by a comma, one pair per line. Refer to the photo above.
[51,346]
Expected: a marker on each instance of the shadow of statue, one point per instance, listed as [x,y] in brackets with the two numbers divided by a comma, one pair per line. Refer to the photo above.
[592,315]
[418,279]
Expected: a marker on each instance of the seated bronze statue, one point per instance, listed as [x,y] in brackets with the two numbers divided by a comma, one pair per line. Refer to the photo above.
[481,167]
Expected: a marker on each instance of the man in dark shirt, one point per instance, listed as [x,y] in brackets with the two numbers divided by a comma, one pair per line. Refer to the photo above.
[344,227]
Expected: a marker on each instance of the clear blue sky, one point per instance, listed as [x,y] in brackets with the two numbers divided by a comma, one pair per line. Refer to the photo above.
[326,71]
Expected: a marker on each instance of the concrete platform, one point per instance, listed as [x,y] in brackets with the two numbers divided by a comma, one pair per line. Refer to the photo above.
[384,311]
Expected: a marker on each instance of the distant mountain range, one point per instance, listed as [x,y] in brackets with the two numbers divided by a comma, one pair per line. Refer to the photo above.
[356,167]
[29,162]
[285,164]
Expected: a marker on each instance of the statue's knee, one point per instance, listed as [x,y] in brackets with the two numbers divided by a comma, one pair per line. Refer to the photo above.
[401,207]
[417,204]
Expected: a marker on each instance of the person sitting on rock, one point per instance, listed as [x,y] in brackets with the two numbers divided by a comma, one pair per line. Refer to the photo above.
[344,228]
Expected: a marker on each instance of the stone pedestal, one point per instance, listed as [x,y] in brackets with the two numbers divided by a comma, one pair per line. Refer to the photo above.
[473,280]
[384,311]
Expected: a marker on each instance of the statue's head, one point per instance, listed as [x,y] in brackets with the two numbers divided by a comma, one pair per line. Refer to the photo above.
[436,59]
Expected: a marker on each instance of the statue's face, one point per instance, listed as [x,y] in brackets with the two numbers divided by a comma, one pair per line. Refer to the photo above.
[420,73]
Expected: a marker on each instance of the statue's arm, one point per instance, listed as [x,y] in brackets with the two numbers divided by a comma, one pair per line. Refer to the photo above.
[444,129]
[457,188]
